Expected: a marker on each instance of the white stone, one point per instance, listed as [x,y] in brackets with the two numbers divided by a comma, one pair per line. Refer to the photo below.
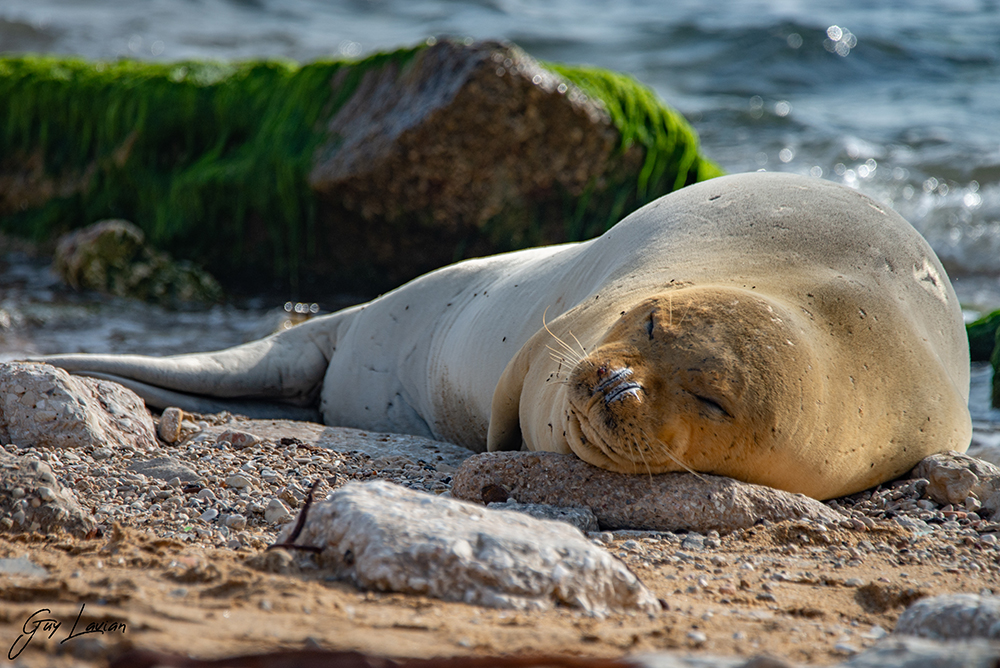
[76,412]
[276,511]
[390,538]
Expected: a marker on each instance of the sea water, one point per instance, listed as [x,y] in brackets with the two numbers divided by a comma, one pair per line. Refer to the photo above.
[900,100]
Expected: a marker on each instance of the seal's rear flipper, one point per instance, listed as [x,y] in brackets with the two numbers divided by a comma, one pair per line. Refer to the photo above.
[277,377]
[159,398]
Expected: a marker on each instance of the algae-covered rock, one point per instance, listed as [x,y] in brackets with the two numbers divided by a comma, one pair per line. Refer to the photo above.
[354,175]
[984,344]
[112,257]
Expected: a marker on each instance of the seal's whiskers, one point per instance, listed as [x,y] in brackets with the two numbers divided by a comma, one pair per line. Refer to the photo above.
[568,348]
[677,460]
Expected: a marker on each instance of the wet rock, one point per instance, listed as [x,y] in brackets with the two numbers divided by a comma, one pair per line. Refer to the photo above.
[386,537]
[112,256]
[450,118]
[22,501]
[43,406]
[952,476]
[952,617]
[581,518]
[164,468]
[665,502]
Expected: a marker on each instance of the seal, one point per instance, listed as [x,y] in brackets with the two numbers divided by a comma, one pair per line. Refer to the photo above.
[772,328]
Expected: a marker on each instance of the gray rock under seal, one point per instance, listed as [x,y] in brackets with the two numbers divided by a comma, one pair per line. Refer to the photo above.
[952,617]
[42,406]
[25,482]
[581,518]
[664,502]
[386,537]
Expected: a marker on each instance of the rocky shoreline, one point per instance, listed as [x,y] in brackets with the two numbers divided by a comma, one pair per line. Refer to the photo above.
[183,520]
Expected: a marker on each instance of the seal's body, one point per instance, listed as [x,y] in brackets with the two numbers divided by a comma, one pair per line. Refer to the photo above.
[776,329]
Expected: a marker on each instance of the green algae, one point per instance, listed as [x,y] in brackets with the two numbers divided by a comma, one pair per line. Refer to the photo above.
[984,345]
[211,160]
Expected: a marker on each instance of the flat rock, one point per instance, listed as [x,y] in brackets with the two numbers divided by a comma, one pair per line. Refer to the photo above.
[33,499]
[911,652]
[20,566]
[664,502]
[43,406]
[164,468]
[953,476]
[952,617]
[581,518]
[389,538]
[443,456]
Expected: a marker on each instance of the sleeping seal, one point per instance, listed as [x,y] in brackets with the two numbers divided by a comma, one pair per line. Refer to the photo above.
[772,328]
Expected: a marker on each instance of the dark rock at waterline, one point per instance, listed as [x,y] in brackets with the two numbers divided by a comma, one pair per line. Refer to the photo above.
[112,257]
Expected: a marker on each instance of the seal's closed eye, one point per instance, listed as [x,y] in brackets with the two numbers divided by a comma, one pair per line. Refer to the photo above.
[713,406]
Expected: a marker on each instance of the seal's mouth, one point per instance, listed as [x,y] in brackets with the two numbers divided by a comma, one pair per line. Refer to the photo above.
[594,419]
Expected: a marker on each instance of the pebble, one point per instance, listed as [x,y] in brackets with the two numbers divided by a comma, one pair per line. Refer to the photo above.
[276,511]
[238,481]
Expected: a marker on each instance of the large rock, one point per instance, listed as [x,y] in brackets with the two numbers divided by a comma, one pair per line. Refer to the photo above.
[33,499]
[348,175]
[386,537]
[952,617]
[664,502]
[43,406]
[464,133]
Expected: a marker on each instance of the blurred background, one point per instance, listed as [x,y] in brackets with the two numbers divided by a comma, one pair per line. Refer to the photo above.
[898,99]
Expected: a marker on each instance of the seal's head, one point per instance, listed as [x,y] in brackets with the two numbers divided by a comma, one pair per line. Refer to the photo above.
[697,378]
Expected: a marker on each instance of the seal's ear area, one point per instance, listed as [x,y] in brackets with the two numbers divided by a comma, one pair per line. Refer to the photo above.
[505,423]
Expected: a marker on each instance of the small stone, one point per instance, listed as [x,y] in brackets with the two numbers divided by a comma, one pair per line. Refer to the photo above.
[61,411]
[206,495]
[17,493]
[276,511]
[236,521]
[46,494]
[665,502]
[239,439]
[854,582]
[100,454]
[845,648]
[169,428]
[953,476]
[238,481]
[209,515]
[697,637]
